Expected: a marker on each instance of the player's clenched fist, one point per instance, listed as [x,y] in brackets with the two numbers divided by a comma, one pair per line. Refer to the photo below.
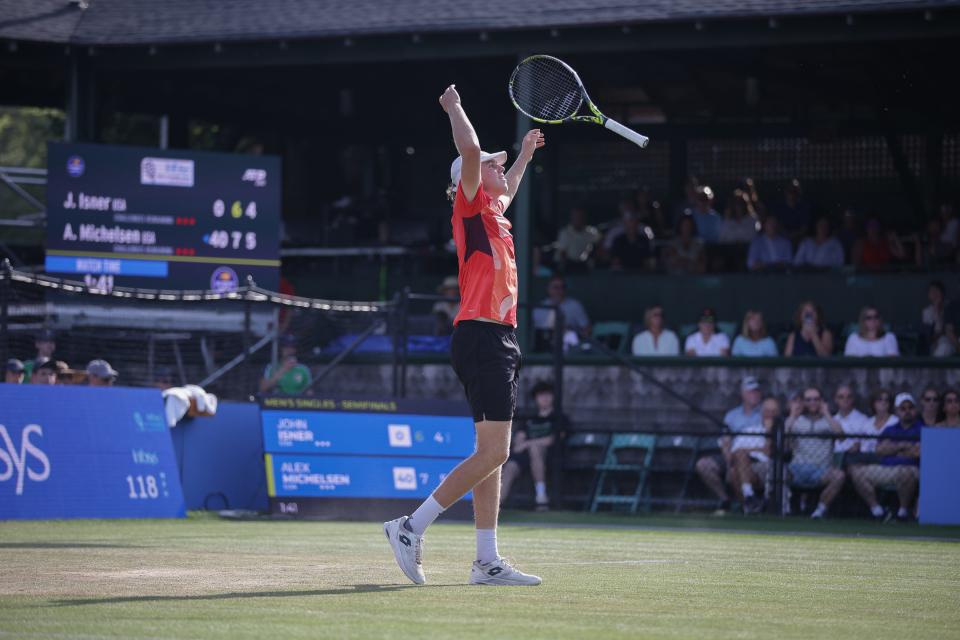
[449,98]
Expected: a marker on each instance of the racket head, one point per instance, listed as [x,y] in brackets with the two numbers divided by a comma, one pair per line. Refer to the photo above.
[546,89]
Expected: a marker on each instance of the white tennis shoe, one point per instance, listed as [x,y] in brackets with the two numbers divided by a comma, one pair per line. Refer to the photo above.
[499,572]
[407,548]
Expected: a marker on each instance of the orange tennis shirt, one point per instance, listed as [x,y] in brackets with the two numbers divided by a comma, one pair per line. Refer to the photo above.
[488,265]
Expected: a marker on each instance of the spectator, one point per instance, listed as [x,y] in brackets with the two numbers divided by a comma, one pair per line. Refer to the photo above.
[715,469]
[446,310]
[870,338]
[899,448]
[64,374]
[759,209]
[649,212]
[101,374]
[706,341]
[45,344]
[657,340]
[13,374]
[291,377]
[614,229]
[849,233]
[822,250]
[932,317]
[883,416]
[853,422]
[930,251]
[753,340]
[531,445]
[633,248]
[164,378]
[44,371]
[706,218]
[574,315]
[769,250]
[794,212]
[740,223]
[949,224]
[929,407]
[951,409]
[812,461]
[576,242]
[878,248]
[751,455]
[686,207]
[685,254]
[810,336]
[951,324]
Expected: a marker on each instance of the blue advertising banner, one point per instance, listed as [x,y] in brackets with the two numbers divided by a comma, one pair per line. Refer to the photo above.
[939,476]
[86,452]
[367,433]
[355,476]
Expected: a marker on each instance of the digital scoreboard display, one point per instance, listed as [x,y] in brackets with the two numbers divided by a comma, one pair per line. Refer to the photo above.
[162,219]
[322,449]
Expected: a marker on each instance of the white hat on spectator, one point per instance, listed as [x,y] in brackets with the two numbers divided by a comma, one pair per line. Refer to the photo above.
[101,369]
[904,397]
[749,383]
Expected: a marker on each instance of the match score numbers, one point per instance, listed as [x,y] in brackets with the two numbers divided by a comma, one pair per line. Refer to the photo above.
[237,210]
[220,239]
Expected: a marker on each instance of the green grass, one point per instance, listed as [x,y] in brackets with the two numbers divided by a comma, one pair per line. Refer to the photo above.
[210,578]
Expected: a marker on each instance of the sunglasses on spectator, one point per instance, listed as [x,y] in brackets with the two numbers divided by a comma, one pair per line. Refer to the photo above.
[930,398]
[811,399]
[906,406]
[871,316]
[951,400]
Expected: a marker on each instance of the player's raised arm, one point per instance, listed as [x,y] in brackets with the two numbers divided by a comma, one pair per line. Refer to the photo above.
[531,142]
[465,138]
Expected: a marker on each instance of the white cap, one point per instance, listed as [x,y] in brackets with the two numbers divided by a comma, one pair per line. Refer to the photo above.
[499,157]
[904,397]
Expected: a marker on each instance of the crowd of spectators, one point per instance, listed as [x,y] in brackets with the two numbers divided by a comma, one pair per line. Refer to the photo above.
[808,335]
[824,449]
[696,237]
[45,368]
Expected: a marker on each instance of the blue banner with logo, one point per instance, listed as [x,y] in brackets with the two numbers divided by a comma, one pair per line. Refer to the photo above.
[86,452]
[310,476]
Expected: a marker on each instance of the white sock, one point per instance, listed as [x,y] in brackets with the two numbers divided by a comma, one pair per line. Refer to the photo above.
[821,509]
[424,516]
[901,513]
[541,488]
[487,545]
[747,489]
[876,510]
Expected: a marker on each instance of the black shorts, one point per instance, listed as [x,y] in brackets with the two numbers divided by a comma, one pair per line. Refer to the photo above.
[486,359]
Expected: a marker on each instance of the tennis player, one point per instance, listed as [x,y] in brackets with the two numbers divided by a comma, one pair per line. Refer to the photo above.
[484,349]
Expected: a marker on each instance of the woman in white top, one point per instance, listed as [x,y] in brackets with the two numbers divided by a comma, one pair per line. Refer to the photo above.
[706,341]
[881,402]
[871,339]
[932,318]
[656,340]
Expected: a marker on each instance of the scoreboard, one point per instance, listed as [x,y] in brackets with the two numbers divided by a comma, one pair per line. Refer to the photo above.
[162,219]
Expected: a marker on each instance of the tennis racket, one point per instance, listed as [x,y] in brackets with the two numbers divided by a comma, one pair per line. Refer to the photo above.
[548,90]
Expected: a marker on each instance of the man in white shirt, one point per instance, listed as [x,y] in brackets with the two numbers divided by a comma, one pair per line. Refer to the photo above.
[576,241]
[706,341]
[853,422]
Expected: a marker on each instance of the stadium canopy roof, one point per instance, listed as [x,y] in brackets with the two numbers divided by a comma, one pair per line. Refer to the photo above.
[146,22]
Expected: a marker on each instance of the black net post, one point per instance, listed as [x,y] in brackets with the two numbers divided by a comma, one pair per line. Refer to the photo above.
[4,309]
[247,336]
[556,475]
[777,454]
[404,329]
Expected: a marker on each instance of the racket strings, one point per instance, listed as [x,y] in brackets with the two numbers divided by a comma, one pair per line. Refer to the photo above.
[544,88]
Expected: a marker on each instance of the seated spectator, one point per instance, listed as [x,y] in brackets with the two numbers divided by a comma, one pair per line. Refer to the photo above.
[870,338]
[633,249]
[932,317]
[64,374]
[929,407]
[820,251]
[881,402]
[44,371]
[685,208]
[164,378]
[576,242]
[951,324]
[101,374]
[13,374]
[685,254]
[793,212]
[445,311]
[930,251]
[290,377]
[740,223]
[614,228]
[950,409]
[769,250]
[650,213]
[753,340]
[706,341]
[657,340]
[849,233]
[531,444]
[706,218]
[716,470]
[949,225]
[812,461]
[853,421]
[45,343]
[575,317]
[878,248]
[810,337]
[751,456]
[899,449]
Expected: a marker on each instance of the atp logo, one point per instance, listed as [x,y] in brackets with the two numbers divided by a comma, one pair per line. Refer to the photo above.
[13,459]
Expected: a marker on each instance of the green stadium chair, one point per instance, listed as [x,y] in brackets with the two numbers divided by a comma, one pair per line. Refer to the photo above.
[673,466]
[615,335]
[729,328]
[582,452]
[624,472]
